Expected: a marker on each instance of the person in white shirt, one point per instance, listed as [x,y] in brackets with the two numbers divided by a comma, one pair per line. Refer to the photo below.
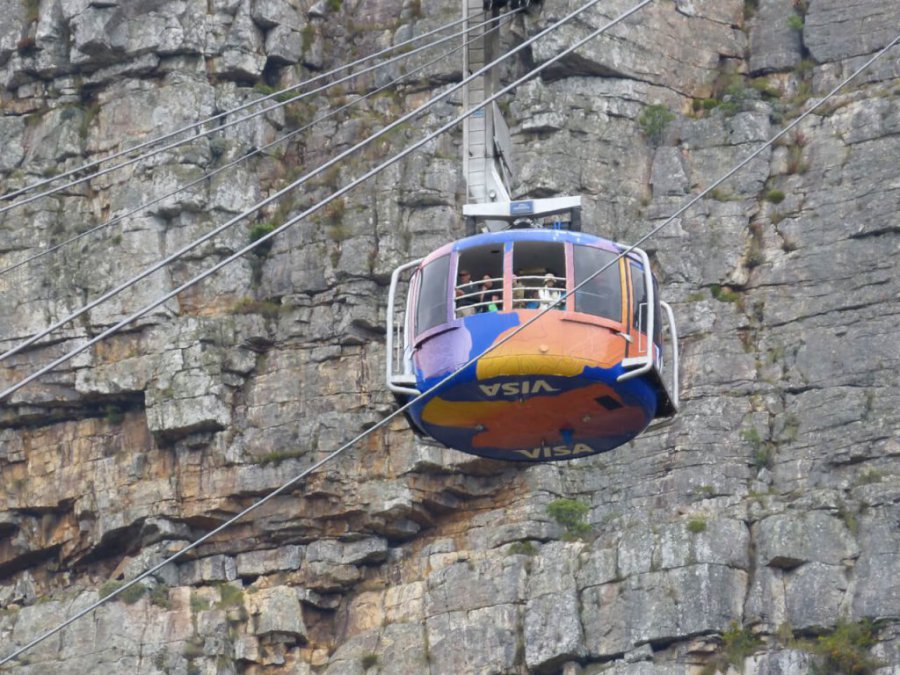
[548,293]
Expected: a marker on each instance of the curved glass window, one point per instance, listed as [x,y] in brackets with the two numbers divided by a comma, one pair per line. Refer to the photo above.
[657,315]
[539,275]
[602,295]
[639,305]
[640,316]
[431,307]
[479,285]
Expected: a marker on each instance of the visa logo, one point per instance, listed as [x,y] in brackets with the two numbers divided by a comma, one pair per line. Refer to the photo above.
[522,388]
[548,451]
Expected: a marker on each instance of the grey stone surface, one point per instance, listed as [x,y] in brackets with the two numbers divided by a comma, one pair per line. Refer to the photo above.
[624,52]
[551,630]
[838,30]
[653,607]
[473,585]
[284,45]
[256,563]
[779,663]
[668,176]
[11,28]
[494,627]
[774,44]
[789,540]
[213,568]
[276,610]
[12,130]
[814,594]
[876,593]
[241,57]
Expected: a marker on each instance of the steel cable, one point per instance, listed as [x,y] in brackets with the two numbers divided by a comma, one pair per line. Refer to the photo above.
[265,202]
[197,125]
[335,160]
[265,147]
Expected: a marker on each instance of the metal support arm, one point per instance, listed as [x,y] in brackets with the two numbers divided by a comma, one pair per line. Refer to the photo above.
[397,383]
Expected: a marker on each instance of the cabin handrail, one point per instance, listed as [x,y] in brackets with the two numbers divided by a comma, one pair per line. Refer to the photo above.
[644,363]
[673,333]
[391,377]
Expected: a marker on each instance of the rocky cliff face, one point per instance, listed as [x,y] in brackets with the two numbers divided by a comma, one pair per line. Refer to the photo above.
[764,518]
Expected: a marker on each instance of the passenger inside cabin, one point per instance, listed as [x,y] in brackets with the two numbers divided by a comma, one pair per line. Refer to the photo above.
[549,294]
[518,290]
[465,299]
[487,285]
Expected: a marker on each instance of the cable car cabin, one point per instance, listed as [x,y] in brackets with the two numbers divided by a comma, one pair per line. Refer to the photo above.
[583,378]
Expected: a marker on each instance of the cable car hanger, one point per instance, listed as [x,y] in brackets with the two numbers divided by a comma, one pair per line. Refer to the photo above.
[589,378]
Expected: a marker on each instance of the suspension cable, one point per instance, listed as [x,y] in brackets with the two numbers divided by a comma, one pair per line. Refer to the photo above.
[262,149]
[223,126]
[282,192]
[265,202]
[196,125]
[471,361]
